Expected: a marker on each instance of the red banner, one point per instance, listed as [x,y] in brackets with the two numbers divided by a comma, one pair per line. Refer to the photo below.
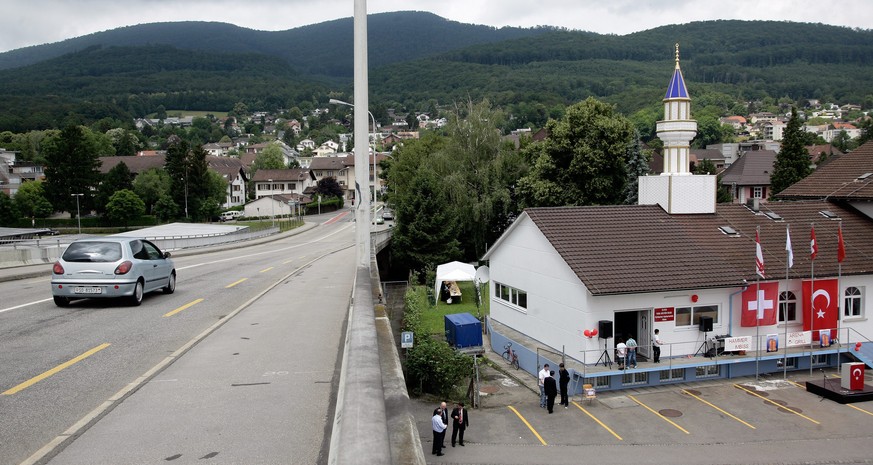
[824,300]
[760,302]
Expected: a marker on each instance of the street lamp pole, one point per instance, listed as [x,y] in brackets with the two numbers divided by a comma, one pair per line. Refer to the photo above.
[272,208]
[78,216]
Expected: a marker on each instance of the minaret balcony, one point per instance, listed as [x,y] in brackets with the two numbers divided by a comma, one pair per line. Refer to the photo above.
[675,126]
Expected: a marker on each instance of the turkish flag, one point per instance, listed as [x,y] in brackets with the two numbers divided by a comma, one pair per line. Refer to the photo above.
[824,312]
[760,302]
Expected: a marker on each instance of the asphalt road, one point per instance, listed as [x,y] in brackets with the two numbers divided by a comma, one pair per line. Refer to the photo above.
[60,365]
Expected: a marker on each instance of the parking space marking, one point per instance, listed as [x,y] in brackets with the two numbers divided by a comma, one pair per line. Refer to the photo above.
[183,307]
[531,428]
[266,269]
[659,415]
[684,391]
[55,370]
[774,403]
[235,283]
[598,421]
[859,409]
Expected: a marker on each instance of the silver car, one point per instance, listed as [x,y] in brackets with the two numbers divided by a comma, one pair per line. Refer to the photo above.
[110,266]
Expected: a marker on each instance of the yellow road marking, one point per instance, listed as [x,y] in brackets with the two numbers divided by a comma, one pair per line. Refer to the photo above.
[598,421]
[183,307]
[266,269]
[234,284]
[287,261]
[658,414]
[859,409]
[54,370]
[720,410]
[797,384]
[531,428]
[774,403]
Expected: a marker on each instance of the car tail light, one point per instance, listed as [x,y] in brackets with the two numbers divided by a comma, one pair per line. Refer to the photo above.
[123,267]
[58,268]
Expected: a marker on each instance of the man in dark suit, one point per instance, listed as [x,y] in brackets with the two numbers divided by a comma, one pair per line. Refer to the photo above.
[550,386]
[460,422]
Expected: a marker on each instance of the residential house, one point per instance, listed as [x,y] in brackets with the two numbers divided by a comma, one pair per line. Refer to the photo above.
[737,122]
[837,127]
[287,152]
[749,177]
[818,153]
[772,130]
[327,148]
[343,169]
[306,144]
[286,181]
[716,157]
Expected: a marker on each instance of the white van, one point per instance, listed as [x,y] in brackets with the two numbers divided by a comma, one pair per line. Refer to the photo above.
[231,215]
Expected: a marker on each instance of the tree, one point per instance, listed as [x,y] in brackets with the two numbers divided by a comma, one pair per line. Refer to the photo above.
[8,210]
[271,158]
[637,165]
[72,167]
[150,186]
[31,201]
[583,161]
[427,230]
[866,127]
[165,208]
[793,161]
[118,178]
[216,195]
[124,206]
[329,187]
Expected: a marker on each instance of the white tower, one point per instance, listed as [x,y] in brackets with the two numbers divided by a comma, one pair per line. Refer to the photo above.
[676,190]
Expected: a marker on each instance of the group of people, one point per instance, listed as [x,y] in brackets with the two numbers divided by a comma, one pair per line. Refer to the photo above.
[549,387]
[440,421]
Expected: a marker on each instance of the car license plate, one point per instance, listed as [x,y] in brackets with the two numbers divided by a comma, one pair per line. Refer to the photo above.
[88,290]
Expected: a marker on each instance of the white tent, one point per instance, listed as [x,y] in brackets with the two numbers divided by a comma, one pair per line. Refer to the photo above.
[453,271]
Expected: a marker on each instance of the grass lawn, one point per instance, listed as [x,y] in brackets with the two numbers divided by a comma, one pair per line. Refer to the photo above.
[433,318]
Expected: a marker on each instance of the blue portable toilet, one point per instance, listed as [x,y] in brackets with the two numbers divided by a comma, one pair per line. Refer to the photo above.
[463,330]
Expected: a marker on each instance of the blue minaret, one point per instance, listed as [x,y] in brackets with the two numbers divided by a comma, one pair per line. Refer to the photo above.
[677,129]
[676,190]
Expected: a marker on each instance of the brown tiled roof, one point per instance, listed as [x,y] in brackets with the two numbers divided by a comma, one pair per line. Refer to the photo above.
[228,167]
[640,248]
[328,163]
[291,174]
[752,169]
[815,151]
[837,179]
[136,165]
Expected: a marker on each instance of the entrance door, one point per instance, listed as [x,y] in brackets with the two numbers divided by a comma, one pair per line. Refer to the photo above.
[644,333]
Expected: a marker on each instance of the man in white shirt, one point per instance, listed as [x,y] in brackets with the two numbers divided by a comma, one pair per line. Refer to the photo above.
[621,354]
[544,373]
[656,349]
[439,431]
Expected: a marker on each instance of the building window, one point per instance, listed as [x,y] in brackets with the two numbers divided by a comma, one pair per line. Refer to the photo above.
[758,192]
[690,316]
[708,371]
[852,305]
[787,307]
[676,374]
[511,295]
[633,378]
[819,360]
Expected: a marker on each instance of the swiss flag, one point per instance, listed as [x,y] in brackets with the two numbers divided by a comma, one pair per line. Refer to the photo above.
[824,312]
[760,302]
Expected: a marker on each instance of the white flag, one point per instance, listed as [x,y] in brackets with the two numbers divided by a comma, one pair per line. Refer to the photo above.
[788,248]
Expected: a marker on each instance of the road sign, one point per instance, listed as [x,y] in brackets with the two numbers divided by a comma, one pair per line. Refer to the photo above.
[406,340]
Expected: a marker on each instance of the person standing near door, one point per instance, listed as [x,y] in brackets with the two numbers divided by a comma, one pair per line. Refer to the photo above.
[631,351]
[657,342]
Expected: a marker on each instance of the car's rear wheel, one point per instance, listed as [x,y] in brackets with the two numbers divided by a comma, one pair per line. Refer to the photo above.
[62,301]
[171,284]
[136,298]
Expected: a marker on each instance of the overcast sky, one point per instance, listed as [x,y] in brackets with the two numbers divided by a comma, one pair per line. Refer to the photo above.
[34,22]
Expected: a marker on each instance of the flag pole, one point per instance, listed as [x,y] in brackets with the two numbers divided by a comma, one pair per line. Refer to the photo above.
[812,250]
[759,269]
[789,261]
[841,254]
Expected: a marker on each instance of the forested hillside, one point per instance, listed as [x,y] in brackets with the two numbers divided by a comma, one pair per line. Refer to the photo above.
[422,62]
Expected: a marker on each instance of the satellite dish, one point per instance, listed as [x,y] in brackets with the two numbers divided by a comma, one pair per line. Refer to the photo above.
[483,274]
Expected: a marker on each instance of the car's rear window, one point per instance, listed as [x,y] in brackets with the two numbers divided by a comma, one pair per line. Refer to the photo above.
[93,252]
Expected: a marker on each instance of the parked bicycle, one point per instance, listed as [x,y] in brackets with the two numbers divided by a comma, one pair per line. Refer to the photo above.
[510,355]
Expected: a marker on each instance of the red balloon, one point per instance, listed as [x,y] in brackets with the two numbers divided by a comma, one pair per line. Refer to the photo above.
[857,348]
[587,333]
[857,345]
[594,332]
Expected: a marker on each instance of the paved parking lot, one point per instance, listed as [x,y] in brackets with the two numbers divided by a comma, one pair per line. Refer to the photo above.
[739,421]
